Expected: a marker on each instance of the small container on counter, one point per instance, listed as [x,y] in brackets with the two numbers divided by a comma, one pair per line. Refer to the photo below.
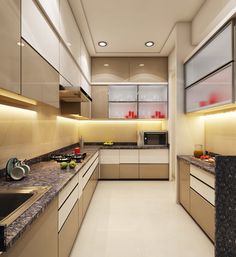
[198,151]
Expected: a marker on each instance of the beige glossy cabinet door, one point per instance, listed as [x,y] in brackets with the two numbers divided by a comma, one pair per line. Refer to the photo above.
[149,69]
[184,184]
[100,102]
[204,213]
[154,171]
[40,81]
[105,70]
[85,61]
[41,238]
[9,48]
[129,171]
[109,171]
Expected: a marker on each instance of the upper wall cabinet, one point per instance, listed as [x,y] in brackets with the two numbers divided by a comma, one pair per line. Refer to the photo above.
[149,69]
[109,70]
[69,30]
[68,67]
[40,81]
[216,53]
[116,70]
[10,45]
[38,33]
[52,10]
[85,61]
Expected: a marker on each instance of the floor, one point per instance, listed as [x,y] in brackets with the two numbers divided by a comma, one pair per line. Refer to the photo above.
[139,219]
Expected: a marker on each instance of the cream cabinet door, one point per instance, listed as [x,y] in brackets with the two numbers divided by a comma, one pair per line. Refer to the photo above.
[38,33]
[69,30]
[107,70]
[9,48]
[100,102]
[149,69]
[154,156]
[129,156]
[109,156]
[85,61]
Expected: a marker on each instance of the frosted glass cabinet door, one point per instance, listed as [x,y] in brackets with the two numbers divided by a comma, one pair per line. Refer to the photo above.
[123,93]
[153,93]
[213,91]
[9,48]
[214,55]
[153,110]
[122,110]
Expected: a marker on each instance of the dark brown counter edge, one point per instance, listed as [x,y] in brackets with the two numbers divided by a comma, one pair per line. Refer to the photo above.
[125,145]
[198,163]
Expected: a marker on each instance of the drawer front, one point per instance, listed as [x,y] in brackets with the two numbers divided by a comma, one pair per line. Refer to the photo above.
[109,171]
[154,156]
[88,174]
[67,190]
[129,156]
[88,164]
[129,171]
[154,171]
[205,191]
[66,208]
[203,213]
[203,175]
[110,156]
[69,232]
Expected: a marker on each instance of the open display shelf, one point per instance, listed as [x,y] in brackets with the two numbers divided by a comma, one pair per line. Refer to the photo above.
[138,101]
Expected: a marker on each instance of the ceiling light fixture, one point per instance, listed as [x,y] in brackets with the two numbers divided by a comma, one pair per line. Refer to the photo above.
[20,44]
[102,43]
[106,65]
[149,44]
[141,65]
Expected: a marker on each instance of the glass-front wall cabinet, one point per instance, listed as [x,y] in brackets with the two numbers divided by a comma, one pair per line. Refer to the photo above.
[209,73]
[138,101]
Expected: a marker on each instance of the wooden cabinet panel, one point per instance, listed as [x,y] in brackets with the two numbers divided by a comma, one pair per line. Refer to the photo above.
[85,109]
[154,171]
[109,171]
[100,102]
[184,184]
[38,33]
[9,48]
[40,81]
[151,70]
[115,69]
[203,212]
[129,171]
[81,217]
[110,156]
[69,232]
[85,61]
[40,238]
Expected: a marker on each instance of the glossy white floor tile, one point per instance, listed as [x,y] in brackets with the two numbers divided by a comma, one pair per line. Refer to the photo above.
[139,219]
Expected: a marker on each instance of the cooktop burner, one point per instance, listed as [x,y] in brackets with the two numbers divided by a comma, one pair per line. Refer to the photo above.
[68,157]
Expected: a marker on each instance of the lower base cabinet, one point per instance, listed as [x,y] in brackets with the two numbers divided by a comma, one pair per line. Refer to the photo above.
[68,232]
[203,213]
[129,171]
[80,207]
[154,171]
[41,237]
[109,171]
[184,184]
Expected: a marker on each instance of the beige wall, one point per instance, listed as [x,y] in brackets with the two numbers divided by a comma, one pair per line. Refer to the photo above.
[26,134]
[117,131]
[220,133]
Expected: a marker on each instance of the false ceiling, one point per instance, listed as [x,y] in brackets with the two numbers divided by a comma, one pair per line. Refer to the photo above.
[127,24]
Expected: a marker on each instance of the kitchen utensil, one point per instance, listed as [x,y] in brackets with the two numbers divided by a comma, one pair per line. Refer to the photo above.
[77,150]
[26,168]
[17,173]
[11,164]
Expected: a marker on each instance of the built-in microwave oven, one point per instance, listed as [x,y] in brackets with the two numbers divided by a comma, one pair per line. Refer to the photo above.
[152,138]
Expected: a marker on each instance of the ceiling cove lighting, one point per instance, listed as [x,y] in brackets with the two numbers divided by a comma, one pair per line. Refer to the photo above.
[106,65]
[149,44]
[221,115]
[102,43]
[9,110]
[141,65]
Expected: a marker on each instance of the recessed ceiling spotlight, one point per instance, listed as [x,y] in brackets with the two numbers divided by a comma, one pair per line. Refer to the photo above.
[68,44]
[20,44]
[102,43]
[149,44]
[106,65]
[141,65]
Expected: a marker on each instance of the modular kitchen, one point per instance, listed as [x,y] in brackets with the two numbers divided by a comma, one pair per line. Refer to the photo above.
[117,128]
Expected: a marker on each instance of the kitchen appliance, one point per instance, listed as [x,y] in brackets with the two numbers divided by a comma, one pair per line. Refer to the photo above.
[152,138]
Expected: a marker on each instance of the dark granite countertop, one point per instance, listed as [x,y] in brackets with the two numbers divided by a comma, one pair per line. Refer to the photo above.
[210,167]
[46,173]
[129,145]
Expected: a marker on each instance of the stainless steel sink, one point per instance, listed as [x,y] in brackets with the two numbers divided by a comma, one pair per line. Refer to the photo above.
[14,201]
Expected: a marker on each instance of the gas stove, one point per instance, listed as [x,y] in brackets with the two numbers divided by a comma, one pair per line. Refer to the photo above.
[68,157]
